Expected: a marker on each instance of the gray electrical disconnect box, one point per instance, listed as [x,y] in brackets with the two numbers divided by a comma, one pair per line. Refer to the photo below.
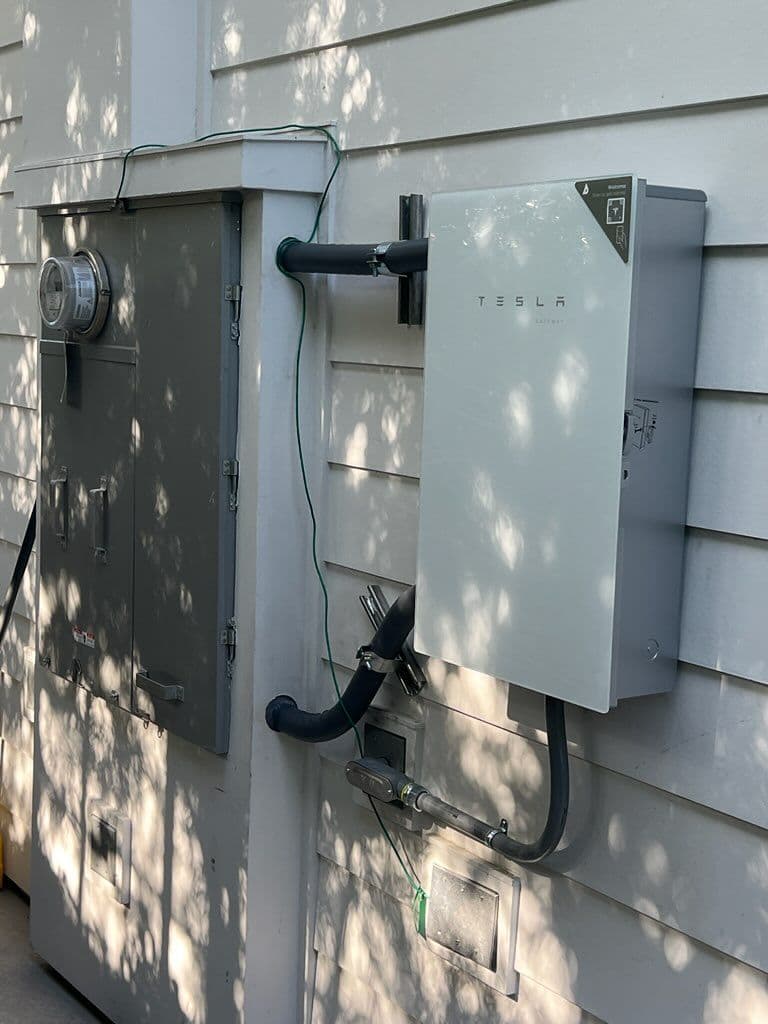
[560,350]
[139,471]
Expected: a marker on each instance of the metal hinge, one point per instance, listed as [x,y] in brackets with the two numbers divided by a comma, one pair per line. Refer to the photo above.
[233,293]
[228,639]
[231,470]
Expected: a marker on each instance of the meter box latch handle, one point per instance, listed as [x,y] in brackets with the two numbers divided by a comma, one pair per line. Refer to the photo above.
[97,510]
[59,505]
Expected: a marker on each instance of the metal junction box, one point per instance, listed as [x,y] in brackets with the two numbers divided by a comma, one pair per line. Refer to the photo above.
[139,476]
[560,351]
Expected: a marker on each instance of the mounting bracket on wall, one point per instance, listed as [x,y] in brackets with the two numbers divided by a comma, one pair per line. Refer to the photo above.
[411,287]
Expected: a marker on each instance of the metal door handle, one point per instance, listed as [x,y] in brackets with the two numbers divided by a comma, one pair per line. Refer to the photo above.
[161,689]
[59,506]
[97,502]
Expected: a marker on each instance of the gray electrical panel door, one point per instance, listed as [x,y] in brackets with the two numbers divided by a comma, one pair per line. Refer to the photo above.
[185,465]
[139,468]
[87,518]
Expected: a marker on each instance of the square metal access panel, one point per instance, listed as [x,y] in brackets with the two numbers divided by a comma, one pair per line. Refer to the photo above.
[138,495]
[560,351]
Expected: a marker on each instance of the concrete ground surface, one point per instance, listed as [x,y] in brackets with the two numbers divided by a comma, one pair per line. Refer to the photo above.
[30,992]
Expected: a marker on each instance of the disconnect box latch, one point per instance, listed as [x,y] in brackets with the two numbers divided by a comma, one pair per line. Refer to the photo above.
[231,470]
[228,639]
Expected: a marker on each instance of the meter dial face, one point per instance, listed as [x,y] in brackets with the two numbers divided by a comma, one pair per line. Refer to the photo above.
[74,294]
[51,293]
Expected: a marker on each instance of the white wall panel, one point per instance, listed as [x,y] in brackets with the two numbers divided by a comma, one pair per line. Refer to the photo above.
[244,33]
[11,143]
[16,812]
[19,639]
[18,242]
[369,522]
[389,957]
[729,463]
[342,998]
[18,370]
[733,335]
[724,605]
[17,686]
[18,305]
[11,21]
[25,602]
[377,88]
[12,88]
[78,79]
[666,148]
[364,320]
[18,441]
[614,962]
[16,498]
[376,418]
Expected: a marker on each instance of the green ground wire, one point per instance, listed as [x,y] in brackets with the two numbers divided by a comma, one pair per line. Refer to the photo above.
[413,882]
[420,896]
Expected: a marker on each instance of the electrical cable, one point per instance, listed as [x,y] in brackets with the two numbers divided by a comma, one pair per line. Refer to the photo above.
[22,560]
[419,900]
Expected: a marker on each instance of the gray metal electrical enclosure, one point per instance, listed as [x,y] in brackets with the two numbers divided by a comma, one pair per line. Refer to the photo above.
[139,468]
[560,351]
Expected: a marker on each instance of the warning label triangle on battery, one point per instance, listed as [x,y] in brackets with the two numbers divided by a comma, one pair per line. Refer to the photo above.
[610,202]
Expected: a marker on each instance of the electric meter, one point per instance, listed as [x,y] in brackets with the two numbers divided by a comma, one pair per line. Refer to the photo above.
[73,293]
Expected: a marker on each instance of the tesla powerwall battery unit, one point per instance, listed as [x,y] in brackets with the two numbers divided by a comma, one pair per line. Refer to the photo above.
[560,350]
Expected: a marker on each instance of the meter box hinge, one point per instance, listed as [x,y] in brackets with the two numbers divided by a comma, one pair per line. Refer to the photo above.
[228,639]
[231,470]
[233,293]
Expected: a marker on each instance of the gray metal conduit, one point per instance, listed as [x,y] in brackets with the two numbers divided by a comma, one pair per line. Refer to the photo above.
[365,260]
[378,779]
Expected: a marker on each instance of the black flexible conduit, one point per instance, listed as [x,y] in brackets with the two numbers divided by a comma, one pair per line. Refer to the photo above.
[22,560]
[284,715]
[496,838]
[379,779]
[365,260]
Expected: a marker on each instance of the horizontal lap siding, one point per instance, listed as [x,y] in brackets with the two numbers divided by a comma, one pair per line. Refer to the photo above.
[11,81]
[378,87]
[11,21]
[733,334]
[246,33]
[18,451]
[715,148]
[590,951]
[16,811]
[18,371]
[17,232]
[655,909]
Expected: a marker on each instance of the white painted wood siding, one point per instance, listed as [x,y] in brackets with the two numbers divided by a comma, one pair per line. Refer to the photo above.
[18,450]
[657,909]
